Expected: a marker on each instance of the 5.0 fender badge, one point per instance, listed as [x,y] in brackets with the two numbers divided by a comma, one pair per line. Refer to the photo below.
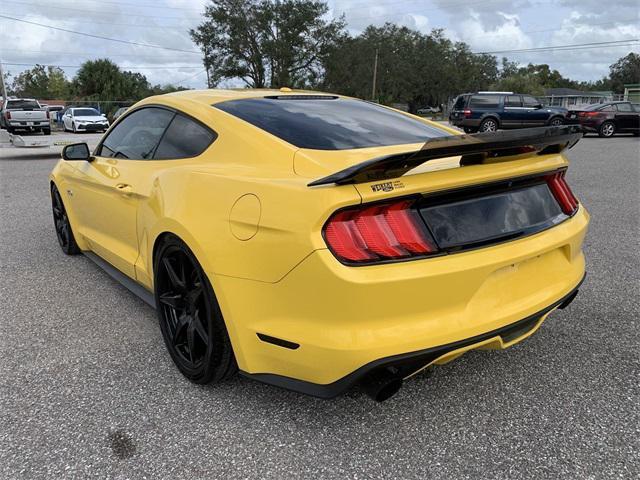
[387,186]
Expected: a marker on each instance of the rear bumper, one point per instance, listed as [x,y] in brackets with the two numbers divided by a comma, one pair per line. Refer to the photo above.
[344,321]
[408,364]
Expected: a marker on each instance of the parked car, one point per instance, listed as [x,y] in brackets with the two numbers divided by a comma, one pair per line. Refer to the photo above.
[607,119]
[428,110]
[24,114]
[277,233]
[84,119]
[489,111]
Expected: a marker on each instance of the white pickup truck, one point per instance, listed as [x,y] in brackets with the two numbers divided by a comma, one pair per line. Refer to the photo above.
[24,114]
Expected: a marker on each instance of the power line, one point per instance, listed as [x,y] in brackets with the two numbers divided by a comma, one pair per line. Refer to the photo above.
[190,77]
[153,67]
[562,47]
[99,36]
[85,54]
[147,5]
[41,5]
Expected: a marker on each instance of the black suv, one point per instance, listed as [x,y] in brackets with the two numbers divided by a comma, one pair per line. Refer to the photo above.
[489,111]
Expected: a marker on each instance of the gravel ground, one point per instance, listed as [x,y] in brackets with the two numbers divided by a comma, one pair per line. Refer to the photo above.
[87,389]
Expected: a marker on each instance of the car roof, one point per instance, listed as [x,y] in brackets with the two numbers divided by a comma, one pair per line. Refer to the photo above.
[209,97]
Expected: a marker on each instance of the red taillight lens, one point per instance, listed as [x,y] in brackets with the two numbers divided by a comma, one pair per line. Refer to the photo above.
[378,232]
[8,115]
[588,114]
[48,115]
[466,112]
[563,194]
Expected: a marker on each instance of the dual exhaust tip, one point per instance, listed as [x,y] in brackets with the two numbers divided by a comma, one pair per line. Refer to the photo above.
[382,384]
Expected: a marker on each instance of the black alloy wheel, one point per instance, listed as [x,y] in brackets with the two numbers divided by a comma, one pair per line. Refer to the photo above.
[556,122]
[61,222]
[190,318]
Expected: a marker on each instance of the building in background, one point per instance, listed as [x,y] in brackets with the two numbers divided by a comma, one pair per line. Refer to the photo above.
[632,92]
[570,97]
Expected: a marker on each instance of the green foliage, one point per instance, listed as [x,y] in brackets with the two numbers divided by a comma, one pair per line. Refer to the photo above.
[625,70]
[266,44]
[41,82]
[413,68]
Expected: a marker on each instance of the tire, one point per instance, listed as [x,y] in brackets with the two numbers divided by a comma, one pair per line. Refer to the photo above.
[556,121]
[46,131]
[470,129]
[73,127]
[191,322]
[10,130]
[607,129]
[489,125]
[61,223]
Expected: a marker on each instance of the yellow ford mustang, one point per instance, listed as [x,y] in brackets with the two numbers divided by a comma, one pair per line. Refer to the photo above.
[314,241]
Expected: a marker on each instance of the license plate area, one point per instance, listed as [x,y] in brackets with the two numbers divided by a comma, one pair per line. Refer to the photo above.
[487,215]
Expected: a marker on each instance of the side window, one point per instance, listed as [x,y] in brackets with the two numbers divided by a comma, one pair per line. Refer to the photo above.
[137,135]
[624,107]
[607,108]
[512,101]
[530,102]
[184,138]
[484,101]
[636,107]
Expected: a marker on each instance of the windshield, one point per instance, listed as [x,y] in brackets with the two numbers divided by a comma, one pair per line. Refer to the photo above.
[330,123]
[23,105]
[85,112]
[595,106]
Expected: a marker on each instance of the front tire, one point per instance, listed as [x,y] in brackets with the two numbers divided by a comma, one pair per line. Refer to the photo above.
[489,125]
[190,318]
[73,127]
[607,129]
[61,222]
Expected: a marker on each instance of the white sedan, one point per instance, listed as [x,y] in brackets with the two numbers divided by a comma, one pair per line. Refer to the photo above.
[84,120]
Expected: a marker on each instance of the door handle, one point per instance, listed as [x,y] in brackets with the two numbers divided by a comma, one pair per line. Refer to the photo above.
[124,188]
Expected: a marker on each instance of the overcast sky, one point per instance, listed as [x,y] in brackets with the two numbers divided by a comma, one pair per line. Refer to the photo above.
[486,25]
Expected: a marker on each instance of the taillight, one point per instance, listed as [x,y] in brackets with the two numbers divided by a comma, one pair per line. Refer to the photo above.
[588,114]
[467,112]
[563,194]
[8,115]
[47,113]
[378,232]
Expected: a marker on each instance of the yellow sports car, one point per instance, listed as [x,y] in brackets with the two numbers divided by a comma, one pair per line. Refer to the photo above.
[314,241]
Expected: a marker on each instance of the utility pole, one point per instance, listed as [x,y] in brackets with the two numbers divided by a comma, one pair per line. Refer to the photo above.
[4,87]
[375,74]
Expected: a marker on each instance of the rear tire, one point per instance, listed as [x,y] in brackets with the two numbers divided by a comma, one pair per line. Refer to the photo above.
[489,125]
[556,122]
[191,322]
[46,131]
[607,129]
[61,222]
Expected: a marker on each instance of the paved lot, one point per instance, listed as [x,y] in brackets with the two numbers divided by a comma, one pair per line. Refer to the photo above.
[87,389]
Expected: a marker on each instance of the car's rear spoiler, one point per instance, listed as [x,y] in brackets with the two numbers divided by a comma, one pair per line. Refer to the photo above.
[473,149]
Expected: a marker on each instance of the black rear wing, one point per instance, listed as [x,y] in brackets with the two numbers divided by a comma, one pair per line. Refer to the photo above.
[473,149]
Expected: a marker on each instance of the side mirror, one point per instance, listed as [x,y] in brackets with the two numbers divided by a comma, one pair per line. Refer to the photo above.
[76,151]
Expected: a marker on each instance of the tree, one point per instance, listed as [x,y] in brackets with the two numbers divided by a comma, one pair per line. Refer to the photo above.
[413,68]
[103,80]
[625,70]
[266,44]
[42,83]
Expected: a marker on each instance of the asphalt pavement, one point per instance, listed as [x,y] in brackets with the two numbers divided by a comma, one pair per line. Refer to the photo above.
[88,390]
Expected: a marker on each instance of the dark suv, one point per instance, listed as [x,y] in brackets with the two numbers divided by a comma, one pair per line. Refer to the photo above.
[489,111]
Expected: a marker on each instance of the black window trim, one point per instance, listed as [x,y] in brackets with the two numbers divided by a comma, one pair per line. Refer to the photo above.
[175,112]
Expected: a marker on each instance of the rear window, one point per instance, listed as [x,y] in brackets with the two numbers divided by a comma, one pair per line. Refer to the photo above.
[484,101]
[460,101]
[330,123]
[22,105]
